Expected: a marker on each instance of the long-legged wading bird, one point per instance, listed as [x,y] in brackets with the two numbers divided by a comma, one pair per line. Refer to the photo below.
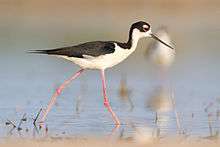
[99,55]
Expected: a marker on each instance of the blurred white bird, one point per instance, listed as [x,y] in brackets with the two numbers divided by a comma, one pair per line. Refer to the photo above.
[159,54]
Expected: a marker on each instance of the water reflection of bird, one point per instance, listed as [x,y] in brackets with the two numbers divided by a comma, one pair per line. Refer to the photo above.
[160,103]
[159,100]
[143,135]
[125,92]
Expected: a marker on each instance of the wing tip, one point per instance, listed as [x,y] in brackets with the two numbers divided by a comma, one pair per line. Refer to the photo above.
[37,51]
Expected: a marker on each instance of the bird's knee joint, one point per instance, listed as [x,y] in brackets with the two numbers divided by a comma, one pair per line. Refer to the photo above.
[58,91]
[106,104]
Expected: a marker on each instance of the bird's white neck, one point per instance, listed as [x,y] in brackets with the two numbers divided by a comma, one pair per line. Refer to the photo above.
[134,38]
[134,43]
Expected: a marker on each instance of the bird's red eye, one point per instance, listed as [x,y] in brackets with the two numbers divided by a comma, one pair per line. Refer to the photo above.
[145,28]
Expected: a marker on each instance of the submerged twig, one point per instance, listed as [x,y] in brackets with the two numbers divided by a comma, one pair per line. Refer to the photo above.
[38,114]
[210,124]
[156,118]
[176,113]
[21,121]
[10,122]
[78,102]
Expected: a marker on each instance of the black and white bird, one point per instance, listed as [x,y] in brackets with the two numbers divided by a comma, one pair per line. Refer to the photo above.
[99,55]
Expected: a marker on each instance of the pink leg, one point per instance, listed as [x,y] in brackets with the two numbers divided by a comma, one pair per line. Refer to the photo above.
[106,101]
[58,92]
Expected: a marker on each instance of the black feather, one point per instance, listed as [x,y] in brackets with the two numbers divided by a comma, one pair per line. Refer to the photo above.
[94,49]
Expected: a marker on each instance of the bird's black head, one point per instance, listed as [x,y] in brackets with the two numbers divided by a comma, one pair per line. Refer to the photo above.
[142,29]
[139,30]
[141,26]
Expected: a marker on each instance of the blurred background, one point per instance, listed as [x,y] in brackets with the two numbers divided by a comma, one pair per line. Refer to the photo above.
[28,81]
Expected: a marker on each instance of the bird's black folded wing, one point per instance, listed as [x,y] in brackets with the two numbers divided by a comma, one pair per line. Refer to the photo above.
[94,49]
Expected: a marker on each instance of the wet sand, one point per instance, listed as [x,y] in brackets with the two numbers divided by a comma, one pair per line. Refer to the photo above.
[84,142]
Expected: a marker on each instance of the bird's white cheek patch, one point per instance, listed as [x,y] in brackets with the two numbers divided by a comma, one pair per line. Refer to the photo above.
[145,26]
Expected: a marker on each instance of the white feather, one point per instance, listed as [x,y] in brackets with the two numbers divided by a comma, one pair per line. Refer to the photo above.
[108,60]
[160,54]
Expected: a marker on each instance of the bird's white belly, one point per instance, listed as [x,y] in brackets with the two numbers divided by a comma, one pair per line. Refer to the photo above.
[163,56]
[103,61]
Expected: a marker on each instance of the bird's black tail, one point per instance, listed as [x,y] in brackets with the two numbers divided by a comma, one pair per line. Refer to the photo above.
[65,51]
[49,52]
[58,51]
[38,51]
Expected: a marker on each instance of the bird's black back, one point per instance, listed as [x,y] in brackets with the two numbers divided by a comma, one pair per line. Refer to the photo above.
[95,48]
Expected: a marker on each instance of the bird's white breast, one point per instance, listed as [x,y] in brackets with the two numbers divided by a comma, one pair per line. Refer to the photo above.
[161,54]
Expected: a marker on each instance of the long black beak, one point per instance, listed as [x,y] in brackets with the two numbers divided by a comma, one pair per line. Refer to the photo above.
[158,39]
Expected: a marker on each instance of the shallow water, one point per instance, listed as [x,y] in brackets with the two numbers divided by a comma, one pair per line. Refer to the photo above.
[28,81]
